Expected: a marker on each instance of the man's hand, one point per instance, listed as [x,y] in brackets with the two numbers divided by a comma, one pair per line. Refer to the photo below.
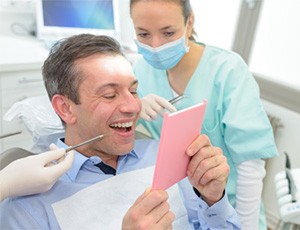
[150,211]
[208,169]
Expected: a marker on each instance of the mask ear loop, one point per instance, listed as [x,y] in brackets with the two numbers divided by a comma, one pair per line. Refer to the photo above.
[187,47]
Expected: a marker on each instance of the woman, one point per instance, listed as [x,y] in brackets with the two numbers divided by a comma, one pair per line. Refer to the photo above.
[175,64]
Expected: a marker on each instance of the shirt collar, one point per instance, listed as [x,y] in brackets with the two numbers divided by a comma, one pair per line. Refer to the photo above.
[80,160]
[134,154]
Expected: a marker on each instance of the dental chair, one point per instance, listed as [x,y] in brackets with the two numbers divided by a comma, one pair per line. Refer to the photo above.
[287,183]
[11,155]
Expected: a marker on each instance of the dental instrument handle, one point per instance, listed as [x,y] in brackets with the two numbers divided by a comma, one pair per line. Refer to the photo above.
[176,99]
[10,134]
[84,143]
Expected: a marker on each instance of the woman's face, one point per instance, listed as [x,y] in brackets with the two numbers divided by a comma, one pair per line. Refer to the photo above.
[158,22]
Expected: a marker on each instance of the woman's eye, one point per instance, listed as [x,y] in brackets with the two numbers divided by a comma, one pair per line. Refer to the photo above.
[169,34]
[143,35]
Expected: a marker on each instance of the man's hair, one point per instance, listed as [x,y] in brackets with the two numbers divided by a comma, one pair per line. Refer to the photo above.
[61,75]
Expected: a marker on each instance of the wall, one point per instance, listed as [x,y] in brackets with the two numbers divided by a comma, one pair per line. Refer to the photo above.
[287,140]
[127,29]
[23,12]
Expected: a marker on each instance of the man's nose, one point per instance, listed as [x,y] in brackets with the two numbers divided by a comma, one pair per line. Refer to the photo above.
[131,104]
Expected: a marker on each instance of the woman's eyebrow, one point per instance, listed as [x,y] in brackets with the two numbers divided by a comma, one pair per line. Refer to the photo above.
[167,27]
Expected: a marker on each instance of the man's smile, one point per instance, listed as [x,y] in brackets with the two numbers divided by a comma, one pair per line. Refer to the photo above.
[122,127]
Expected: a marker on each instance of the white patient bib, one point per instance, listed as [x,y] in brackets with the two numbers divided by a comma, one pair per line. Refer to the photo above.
[103,205]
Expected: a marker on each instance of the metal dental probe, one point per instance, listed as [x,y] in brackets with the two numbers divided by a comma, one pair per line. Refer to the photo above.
[85,142]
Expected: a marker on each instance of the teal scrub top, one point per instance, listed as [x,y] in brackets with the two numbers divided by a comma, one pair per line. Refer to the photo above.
[235,119]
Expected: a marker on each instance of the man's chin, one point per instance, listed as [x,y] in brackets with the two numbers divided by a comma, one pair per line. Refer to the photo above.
[120,145]
[123,149]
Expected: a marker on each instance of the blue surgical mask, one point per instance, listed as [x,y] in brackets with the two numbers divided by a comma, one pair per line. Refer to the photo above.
[166,56]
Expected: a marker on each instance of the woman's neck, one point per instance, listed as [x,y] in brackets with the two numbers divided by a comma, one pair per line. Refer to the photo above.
[180,75]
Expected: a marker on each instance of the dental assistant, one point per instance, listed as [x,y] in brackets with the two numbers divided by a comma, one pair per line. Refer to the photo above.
[174,64]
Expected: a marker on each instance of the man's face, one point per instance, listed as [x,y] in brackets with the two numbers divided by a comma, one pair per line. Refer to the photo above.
[109,105]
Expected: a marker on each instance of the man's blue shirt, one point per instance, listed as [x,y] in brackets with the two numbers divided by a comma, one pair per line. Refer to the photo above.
[35,212]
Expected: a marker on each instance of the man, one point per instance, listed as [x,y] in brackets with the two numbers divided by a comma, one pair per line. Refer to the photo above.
[92,88]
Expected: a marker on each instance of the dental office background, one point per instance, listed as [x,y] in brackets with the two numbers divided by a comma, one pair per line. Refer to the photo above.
[265,33]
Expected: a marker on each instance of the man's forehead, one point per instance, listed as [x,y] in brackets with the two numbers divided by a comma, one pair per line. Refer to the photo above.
[107,86]
[115,84]
[105,65]
[102,57]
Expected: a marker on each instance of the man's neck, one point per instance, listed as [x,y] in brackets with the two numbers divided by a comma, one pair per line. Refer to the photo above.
[90,150]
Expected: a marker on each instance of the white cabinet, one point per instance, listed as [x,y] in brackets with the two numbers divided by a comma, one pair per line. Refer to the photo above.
[21,60]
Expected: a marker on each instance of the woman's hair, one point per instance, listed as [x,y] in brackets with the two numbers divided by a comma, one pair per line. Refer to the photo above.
[185,7]
[60,73]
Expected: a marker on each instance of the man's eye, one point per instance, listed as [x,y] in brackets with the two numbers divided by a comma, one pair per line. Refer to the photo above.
[110,96]
[133,90]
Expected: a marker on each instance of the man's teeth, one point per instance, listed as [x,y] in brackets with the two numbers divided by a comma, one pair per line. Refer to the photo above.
[122,125]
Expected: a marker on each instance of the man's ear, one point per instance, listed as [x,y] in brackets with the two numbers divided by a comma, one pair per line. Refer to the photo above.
[63,107]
